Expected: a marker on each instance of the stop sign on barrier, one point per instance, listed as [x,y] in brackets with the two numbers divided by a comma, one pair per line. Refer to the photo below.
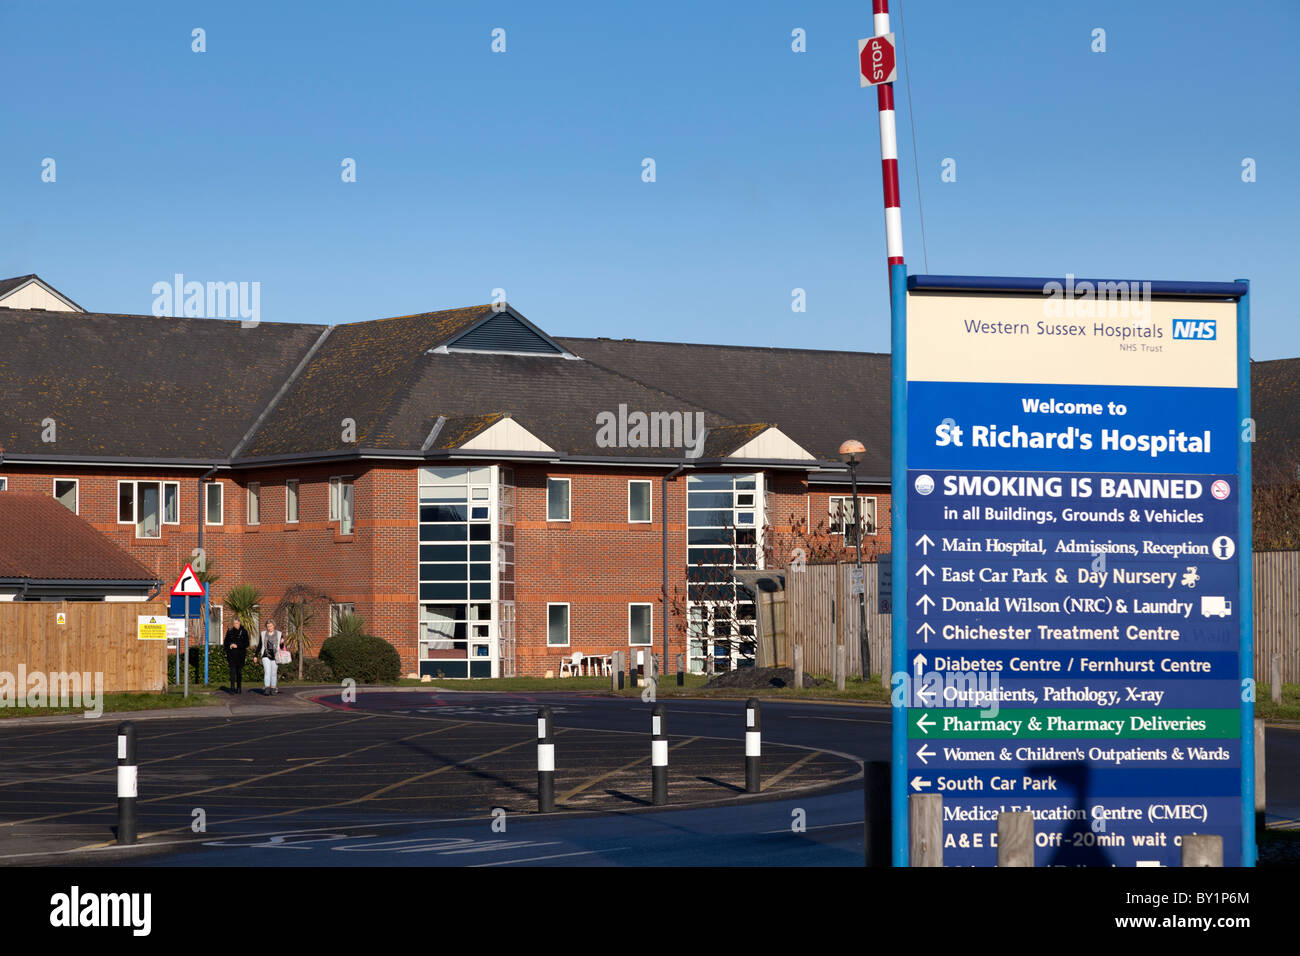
[876,60]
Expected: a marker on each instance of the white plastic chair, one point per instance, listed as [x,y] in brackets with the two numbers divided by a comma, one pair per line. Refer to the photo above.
[571,666]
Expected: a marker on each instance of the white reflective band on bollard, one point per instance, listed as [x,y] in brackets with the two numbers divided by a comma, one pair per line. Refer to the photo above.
[654,724]
[749,716]
[126,781]
[753,743]
[121,746]
[659,753]
[541,727]
[545,757]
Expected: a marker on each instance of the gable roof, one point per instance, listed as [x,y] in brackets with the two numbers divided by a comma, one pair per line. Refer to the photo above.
[41,540]
[817,398]
[10,286]
[504,331]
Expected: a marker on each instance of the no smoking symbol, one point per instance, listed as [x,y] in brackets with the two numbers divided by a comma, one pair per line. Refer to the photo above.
[1220,489]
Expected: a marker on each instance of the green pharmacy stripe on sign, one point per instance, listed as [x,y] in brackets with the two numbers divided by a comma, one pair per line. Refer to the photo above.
[931,723]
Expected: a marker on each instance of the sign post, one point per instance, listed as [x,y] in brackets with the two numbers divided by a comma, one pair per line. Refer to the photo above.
[187,586]
[1074,637]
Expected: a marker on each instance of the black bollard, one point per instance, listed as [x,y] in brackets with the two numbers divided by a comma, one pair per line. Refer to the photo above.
[126,783]
[753,746]
[545,761]
[659,755]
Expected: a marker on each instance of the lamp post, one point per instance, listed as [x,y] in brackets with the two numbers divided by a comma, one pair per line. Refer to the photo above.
[851,453]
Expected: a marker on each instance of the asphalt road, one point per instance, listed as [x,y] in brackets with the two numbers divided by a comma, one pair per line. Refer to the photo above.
[448,778]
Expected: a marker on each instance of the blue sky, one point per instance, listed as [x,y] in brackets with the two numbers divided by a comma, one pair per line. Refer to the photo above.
[522,170]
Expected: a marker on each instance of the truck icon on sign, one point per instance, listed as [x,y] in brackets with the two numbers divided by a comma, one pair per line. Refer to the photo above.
[1215,606]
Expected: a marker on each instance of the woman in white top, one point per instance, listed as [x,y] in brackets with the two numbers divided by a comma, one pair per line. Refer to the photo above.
[270,648]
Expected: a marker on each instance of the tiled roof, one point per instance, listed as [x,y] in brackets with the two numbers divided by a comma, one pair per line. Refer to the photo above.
[41,540]
[138,386]
[817,398]
[1275,406]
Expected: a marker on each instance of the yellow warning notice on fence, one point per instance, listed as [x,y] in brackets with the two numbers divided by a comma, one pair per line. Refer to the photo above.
[151,627]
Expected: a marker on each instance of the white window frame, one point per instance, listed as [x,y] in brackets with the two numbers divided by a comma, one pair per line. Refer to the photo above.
[646,604]
[135,484]
[650,501]
[875,525]
[347,507]
[4,483]
[76,492]
[117,504]
[253,495]
[568,623]
[221,503]
[568,500]
[292,484]
[337,483]
[177,486]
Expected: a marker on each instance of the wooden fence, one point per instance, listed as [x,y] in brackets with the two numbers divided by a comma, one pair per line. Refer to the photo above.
[94,638]
[820,612]
[1277,613]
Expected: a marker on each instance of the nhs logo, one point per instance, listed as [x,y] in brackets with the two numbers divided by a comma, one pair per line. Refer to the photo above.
[1195,329]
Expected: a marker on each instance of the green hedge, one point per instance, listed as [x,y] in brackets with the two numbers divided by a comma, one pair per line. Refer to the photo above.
[364,658]
[313,670]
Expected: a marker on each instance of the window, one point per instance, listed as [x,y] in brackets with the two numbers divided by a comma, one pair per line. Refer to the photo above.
[640,624]
[337,611]
[216,633]
[65,491]
[171,502]
[557,499]
[214,503]
[345,508]
[141,503]
[842,516]
[4,484]
[254,502]
[557,625]
[291,501]
[341,503]
[638,502]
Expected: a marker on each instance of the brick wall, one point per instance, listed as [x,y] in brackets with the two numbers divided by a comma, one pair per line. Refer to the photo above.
[597,562]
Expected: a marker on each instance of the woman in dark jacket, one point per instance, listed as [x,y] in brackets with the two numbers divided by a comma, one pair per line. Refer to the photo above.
[236,645]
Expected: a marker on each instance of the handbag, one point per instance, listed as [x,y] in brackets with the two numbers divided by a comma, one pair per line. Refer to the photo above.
[282,656]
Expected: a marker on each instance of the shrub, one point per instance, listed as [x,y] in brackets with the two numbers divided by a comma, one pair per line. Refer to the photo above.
[363,657]
[313,671]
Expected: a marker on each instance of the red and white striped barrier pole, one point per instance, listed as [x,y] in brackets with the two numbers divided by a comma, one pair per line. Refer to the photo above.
[888,150]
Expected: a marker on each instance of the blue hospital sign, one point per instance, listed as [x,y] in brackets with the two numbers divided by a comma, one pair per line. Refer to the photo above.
[1074,590]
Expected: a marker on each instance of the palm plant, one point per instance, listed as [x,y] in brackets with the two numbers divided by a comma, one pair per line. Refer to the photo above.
[350,626]
[299,608]
[241,601]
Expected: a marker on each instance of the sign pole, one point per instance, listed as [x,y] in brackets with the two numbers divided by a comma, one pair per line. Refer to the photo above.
[207,640]
[898,550]
[1246,569]
[187,651]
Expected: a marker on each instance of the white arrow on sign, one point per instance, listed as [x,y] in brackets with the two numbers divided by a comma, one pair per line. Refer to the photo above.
[919,662]
[919,784]
[923,752]
[922,724]
[187,585]
[925,543]
[921,695]
[924,570]
[925,603]
[926,630]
